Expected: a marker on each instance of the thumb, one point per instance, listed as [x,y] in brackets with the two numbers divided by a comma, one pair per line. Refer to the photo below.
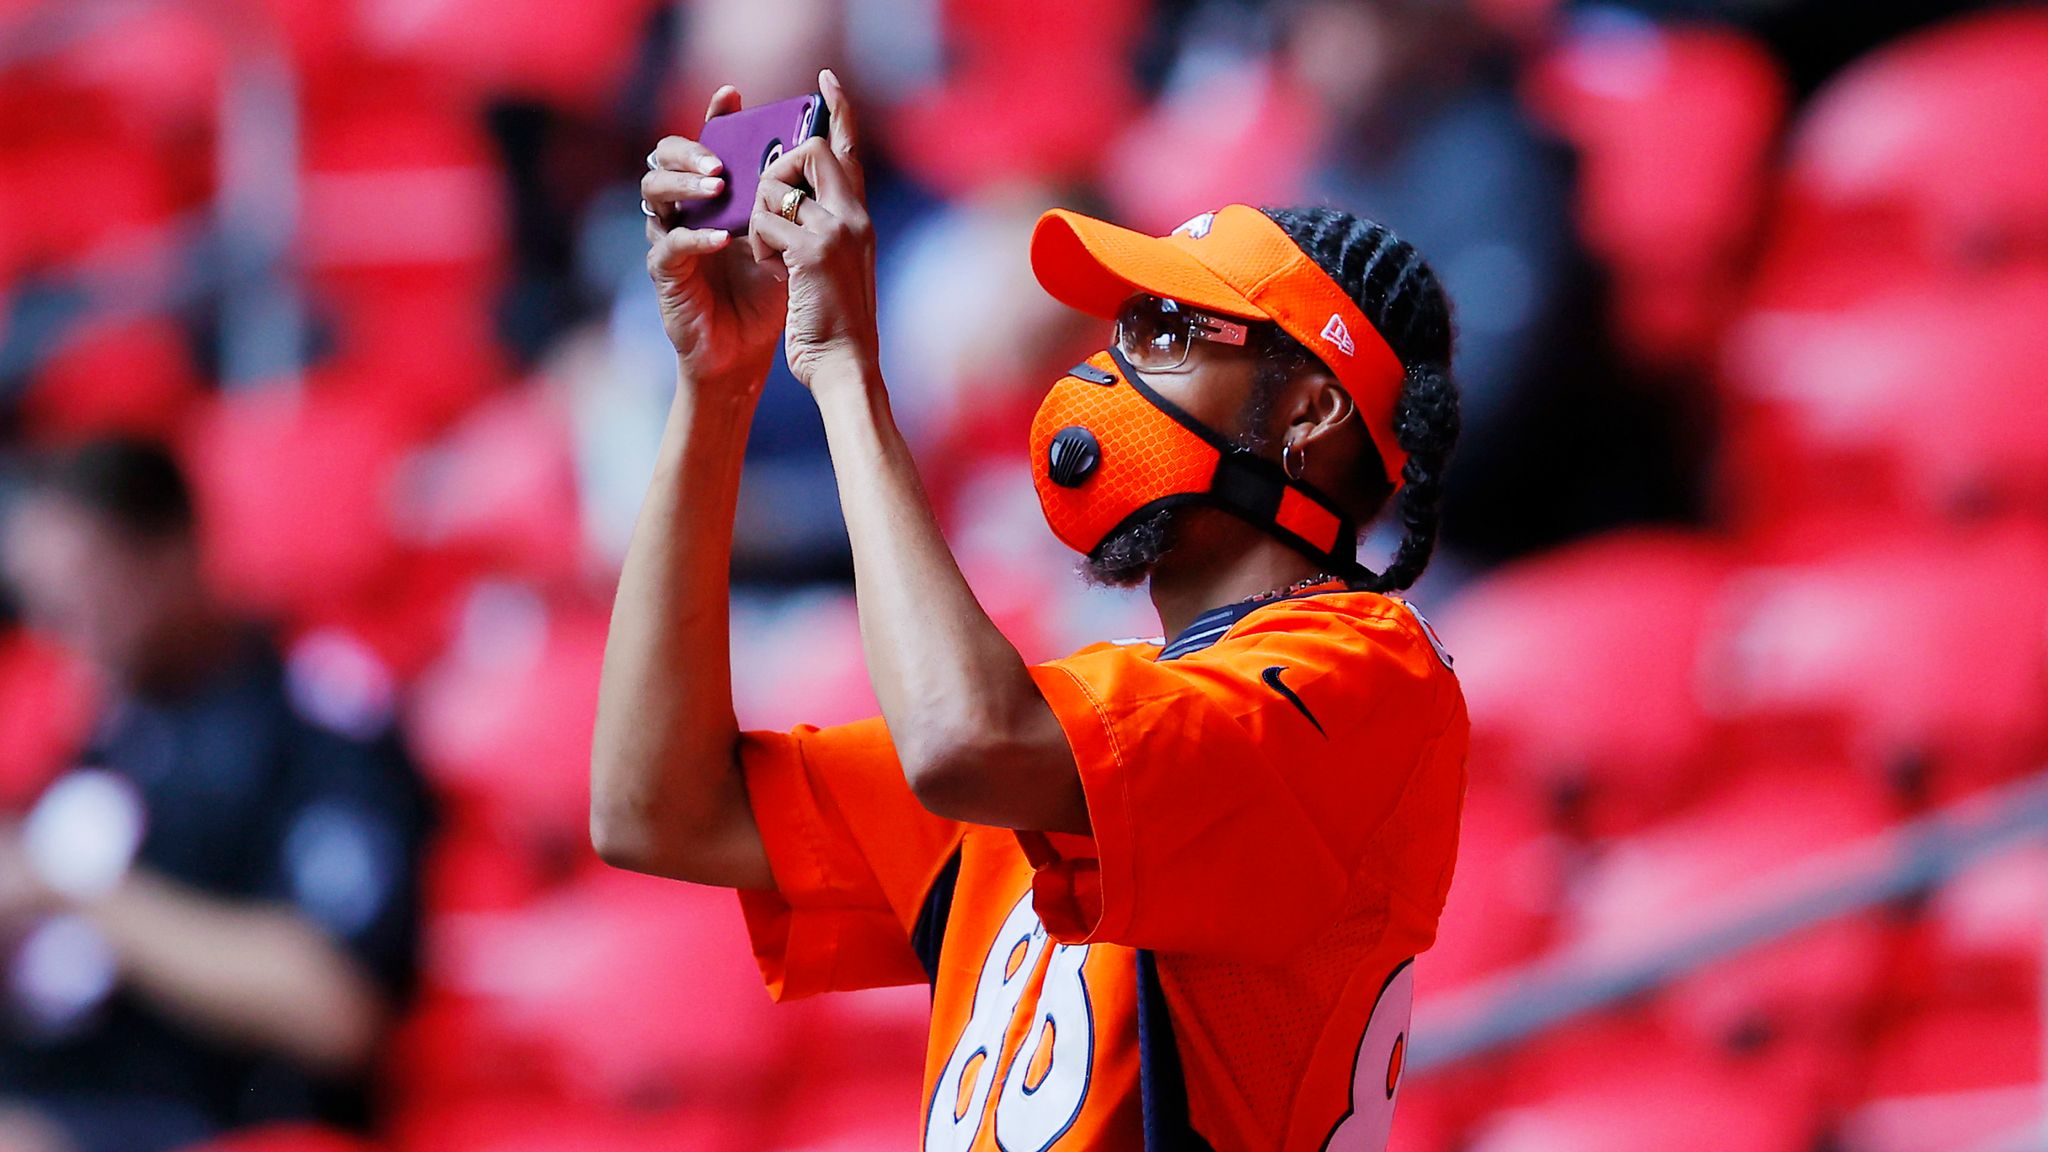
[843,130]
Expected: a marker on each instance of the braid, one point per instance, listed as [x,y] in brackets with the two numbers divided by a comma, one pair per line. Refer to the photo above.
[1399,294]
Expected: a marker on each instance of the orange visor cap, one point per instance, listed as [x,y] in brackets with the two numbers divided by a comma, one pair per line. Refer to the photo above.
[1238,262]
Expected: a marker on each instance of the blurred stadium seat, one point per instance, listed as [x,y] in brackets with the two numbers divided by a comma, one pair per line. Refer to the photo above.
[1910,168]
[1918,405]
[1674,127]
[1543,646]
[1566,1097]
[1824,654]
[1664,717]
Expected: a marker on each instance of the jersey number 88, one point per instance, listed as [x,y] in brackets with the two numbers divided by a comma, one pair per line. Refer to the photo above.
[1044,1087]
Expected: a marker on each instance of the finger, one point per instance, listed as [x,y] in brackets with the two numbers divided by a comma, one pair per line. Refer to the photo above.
[779,235]
[664,187]
[769,198]
[814,164]
[844,129]
[682,154]
[725,100]
[678,246]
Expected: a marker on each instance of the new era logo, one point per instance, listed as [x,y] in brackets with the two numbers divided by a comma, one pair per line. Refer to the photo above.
[1336,333]
[1198,227]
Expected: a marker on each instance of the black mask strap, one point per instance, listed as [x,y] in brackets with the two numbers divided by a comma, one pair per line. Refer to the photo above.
[1259,492]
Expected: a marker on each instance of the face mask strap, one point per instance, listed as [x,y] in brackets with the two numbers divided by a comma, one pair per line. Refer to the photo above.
[1259,492]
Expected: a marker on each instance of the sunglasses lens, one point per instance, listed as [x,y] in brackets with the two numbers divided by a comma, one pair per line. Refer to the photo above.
[1152,334]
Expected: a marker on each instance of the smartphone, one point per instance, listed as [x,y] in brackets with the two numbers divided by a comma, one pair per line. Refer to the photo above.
[748,141]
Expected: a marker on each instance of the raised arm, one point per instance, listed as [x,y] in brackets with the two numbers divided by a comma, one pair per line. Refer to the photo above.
[666,795]
[976,738]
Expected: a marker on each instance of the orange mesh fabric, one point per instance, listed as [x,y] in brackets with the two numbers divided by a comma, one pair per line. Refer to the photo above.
[1145,456]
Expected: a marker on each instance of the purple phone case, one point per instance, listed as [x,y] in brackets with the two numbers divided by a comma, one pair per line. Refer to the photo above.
[748,141]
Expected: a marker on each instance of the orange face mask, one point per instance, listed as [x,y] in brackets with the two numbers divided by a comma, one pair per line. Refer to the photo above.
[1106,450]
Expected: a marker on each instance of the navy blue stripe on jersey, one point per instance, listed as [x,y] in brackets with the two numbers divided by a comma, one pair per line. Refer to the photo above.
[1161,1082]
[1212,625]
[1207,628]
[1162,1086]
[930,934]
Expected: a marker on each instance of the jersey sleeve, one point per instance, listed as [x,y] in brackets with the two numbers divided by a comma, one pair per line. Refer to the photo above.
[1232,792]
[853,854]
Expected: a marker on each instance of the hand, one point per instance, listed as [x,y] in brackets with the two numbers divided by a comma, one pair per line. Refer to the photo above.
[721,309]
[22,896]
[828,254]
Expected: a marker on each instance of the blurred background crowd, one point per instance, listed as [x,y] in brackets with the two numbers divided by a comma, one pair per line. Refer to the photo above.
[330,380]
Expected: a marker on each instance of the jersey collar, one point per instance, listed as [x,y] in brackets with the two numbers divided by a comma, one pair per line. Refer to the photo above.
[1211,626]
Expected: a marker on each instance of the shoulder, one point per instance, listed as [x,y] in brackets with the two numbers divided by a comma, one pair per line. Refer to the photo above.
[1344,631]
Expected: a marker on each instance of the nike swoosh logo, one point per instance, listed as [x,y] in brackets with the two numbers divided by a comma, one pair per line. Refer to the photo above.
[1272,678]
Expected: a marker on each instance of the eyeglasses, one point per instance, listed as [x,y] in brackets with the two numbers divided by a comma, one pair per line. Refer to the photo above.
[1155,333]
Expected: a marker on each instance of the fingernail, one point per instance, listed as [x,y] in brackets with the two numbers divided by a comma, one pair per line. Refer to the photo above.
[710,165]
[713,184]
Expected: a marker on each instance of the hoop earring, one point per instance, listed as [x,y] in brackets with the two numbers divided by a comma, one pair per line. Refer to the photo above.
[1293,460]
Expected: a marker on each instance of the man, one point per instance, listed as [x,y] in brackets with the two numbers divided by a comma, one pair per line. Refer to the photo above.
[215,916]
[1167,892]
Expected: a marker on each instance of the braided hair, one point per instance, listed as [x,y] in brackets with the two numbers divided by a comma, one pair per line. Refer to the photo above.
[1401,297]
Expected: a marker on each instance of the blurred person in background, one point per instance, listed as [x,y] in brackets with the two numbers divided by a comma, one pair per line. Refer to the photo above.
[1167,892]
[1423,123]
[213,918]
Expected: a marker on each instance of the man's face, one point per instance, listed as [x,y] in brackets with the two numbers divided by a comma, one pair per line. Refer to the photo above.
[1223,386]
[102,594]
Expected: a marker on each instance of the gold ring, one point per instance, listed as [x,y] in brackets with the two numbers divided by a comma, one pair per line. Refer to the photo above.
[792,201]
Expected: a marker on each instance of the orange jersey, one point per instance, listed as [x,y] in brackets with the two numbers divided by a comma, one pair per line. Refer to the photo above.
[1224,963]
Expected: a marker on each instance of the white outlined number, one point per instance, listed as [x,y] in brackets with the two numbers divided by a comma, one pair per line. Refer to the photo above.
[1376,1075]
[1045,1086]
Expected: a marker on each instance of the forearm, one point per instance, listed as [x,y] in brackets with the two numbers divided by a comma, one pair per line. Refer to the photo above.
[977,739]
[259,976]
[666,793]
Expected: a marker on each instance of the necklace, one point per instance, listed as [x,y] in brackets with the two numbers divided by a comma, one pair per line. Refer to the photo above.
[1291,589]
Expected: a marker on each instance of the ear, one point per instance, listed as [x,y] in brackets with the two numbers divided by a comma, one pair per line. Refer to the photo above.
[1318,409]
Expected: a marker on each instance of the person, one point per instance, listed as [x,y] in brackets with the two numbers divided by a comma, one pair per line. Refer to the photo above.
[1167,893]
[215,914]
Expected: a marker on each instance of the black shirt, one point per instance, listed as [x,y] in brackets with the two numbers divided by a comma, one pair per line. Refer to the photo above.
[246,798]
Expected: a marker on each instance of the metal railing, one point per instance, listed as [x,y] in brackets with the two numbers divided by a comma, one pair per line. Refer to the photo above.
[1915,856]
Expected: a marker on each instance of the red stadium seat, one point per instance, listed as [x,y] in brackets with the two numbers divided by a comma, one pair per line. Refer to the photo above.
[1985,929]
[502,723]
[526,1125]
[131,376]
[1832,656]
[569,55]
[1919,162]
[498,493]
[1675,128]
[60,132]
[293,496]
[1923,404]
[1578,668]
[1620,1086]
[410,294]
[1504,890]
[1718,858]
[616,989]
[1022,58]
[1952,1077]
